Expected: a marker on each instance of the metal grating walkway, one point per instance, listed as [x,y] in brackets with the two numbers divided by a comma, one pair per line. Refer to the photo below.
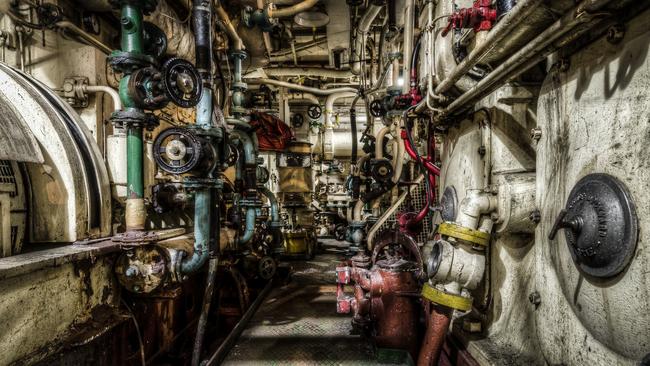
[298,325]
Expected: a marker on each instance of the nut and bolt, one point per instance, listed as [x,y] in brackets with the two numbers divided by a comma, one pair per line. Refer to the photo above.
[472,326]
[535,216]
[536,134]
[482,150]
[535,298]
[616,33]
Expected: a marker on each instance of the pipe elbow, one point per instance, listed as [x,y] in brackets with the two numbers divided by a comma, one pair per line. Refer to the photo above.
[475,204]
[250,227]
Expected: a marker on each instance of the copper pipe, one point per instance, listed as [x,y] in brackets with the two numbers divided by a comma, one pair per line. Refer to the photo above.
[437,327]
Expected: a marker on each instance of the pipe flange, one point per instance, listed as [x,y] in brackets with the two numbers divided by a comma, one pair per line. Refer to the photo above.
[250,202]
[357,224]
[147,6]
[276,225]
[124,61]
[201,183]
[241,54]
[453,230]
[134,118]
[444,298]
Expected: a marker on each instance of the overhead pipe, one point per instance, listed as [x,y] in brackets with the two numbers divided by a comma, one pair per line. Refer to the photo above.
[303,97]
[534,50]
[358,53]
[301,71]
[504,27]
[291,10]
[303,88]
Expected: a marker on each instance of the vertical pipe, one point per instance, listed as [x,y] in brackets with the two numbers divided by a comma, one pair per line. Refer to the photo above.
[204,245]
[437,326]
[131,41]
[409,26]
[202,224]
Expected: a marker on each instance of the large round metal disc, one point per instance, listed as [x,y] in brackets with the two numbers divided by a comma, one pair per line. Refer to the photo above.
[605,241]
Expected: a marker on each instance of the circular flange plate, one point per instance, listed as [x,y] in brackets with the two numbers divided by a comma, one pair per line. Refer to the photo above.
[605,239]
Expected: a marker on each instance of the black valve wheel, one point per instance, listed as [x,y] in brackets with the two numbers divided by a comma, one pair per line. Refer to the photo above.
[314,111]
[381,170]
[177,150]
[181,82]
[297,120]
[377,109]
[267,268]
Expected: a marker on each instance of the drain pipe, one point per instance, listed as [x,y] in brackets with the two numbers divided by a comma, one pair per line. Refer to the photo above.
[204,246]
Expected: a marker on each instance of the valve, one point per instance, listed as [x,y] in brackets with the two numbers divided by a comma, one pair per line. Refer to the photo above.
[314,111]
[481,16]
[377,109]
[381,170]
[181,82]
[181,150]
[297,120]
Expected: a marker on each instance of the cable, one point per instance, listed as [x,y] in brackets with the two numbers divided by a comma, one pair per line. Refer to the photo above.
[137,329]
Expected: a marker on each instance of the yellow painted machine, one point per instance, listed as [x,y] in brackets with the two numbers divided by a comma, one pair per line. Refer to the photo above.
[296,187]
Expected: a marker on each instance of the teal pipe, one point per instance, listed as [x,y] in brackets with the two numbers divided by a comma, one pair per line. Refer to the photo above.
[204,109]
[250,226]
[275,212]
[202,222]
[247,145]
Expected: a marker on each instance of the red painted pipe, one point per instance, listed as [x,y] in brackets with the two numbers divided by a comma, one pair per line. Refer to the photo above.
[437,327]
[425,160]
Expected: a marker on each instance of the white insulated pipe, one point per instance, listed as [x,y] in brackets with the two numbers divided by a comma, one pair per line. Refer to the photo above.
[291,10]
[303,88]
[364,26]
[409,27]
[115,96]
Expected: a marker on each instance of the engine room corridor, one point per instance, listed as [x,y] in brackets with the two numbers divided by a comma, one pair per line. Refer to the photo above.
[324,182]
[295,324]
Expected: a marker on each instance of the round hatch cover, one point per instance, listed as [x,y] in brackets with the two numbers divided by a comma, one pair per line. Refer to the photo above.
[603,234]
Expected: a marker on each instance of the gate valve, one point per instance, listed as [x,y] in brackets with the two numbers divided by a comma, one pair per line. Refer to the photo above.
[481,16]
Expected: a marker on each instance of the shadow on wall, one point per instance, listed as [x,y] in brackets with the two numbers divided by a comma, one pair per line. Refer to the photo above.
[628,59]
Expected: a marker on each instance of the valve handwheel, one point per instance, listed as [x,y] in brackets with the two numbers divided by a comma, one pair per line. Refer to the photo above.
[181,82]
[314,111]
[267,268]
[177,150]
[377,109]
[297,120]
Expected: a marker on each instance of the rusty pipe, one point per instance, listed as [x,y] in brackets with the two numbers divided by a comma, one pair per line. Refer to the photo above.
[437,326]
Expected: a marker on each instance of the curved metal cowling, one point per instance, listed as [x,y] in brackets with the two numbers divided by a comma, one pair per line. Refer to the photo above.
[69,181]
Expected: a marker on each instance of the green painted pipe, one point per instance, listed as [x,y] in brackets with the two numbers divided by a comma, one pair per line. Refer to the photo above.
[131,19]
[134,177]
[131,41]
